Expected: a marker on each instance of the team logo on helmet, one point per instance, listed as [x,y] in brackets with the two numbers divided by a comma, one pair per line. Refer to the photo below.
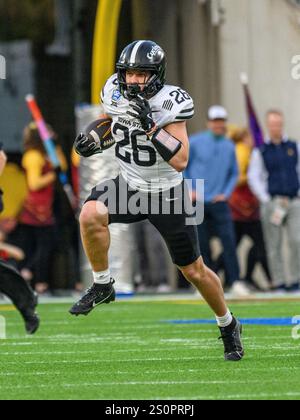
[154,50]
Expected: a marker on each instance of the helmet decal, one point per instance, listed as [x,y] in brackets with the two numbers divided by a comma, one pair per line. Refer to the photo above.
[135,51]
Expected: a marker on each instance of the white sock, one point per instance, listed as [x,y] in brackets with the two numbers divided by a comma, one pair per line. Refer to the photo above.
[224,321]
[103,277]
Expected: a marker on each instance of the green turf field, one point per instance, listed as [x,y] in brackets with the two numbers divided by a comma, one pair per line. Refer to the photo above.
[125,351]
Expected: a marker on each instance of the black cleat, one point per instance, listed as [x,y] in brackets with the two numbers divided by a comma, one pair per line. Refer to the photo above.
[31,318]
[231,336]
[32,324]
[95,296]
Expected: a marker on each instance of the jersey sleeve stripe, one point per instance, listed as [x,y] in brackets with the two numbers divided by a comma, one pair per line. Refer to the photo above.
[184,117]
[185,111]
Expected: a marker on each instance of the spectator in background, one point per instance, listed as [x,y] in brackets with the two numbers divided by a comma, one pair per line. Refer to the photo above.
[36,231]
[213,159]
[274,176]
[245,209]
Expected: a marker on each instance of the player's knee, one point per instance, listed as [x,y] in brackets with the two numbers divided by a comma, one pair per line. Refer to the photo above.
[93,214]
[195,271]
[190,274]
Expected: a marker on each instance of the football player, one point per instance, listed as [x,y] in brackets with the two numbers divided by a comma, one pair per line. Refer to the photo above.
[149,121]
[12,283]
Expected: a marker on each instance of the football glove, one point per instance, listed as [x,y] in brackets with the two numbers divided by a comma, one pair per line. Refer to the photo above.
[86,146]
[142,113]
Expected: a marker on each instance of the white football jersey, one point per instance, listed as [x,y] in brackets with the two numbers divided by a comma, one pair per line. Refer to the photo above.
[141,165]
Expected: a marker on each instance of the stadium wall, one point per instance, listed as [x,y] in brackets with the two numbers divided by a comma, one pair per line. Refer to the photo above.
[261,37]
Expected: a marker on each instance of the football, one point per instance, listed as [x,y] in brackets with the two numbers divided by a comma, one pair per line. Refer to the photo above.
[100,132]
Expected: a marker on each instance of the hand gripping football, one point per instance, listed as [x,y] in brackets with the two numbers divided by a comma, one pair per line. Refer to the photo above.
[99,131]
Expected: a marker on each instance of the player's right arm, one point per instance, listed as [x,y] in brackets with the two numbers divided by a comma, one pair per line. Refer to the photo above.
[85,146]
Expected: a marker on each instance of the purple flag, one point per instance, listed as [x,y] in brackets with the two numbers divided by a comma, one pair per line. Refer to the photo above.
[254,124]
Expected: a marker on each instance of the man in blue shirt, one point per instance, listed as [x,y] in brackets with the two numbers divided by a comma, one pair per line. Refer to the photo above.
[213,159]
[274,177]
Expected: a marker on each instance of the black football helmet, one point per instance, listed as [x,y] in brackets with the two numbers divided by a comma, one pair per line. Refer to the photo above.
[144,56]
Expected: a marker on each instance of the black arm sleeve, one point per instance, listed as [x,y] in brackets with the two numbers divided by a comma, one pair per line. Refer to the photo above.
[166,145]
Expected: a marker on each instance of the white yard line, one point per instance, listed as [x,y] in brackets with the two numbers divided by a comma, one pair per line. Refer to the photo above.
[136,383]
[153,372]
[215,397]
[153,359]
[142,350]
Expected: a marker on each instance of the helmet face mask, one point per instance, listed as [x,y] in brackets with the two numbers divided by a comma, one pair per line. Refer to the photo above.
[142,56]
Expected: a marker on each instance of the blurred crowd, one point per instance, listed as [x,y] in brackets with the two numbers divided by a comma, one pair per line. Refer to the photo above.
[37,222]
[250,234]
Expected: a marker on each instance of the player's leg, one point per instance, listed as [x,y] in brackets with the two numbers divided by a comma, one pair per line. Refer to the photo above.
[16,288]
[94,220]
[179,231]
[183,245]
[98,212]
[181,237]
[209,286]
[95,235]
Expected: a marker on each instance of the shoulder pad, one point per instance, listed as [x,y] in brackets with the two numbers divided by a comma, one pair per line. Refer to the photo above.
[177,104]
[110,86]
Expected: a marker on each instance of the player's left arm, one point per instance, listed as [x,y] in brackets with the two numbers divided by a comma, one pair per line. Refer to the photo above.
[171,142]
[178,131]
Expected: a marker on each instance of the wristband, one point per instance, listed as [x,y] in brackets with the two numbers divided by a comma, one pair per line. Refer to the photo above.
[166,145]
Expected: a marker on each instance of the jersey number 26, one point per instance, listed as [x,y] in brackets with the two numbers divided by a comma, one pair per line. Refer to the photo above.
[149,154]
